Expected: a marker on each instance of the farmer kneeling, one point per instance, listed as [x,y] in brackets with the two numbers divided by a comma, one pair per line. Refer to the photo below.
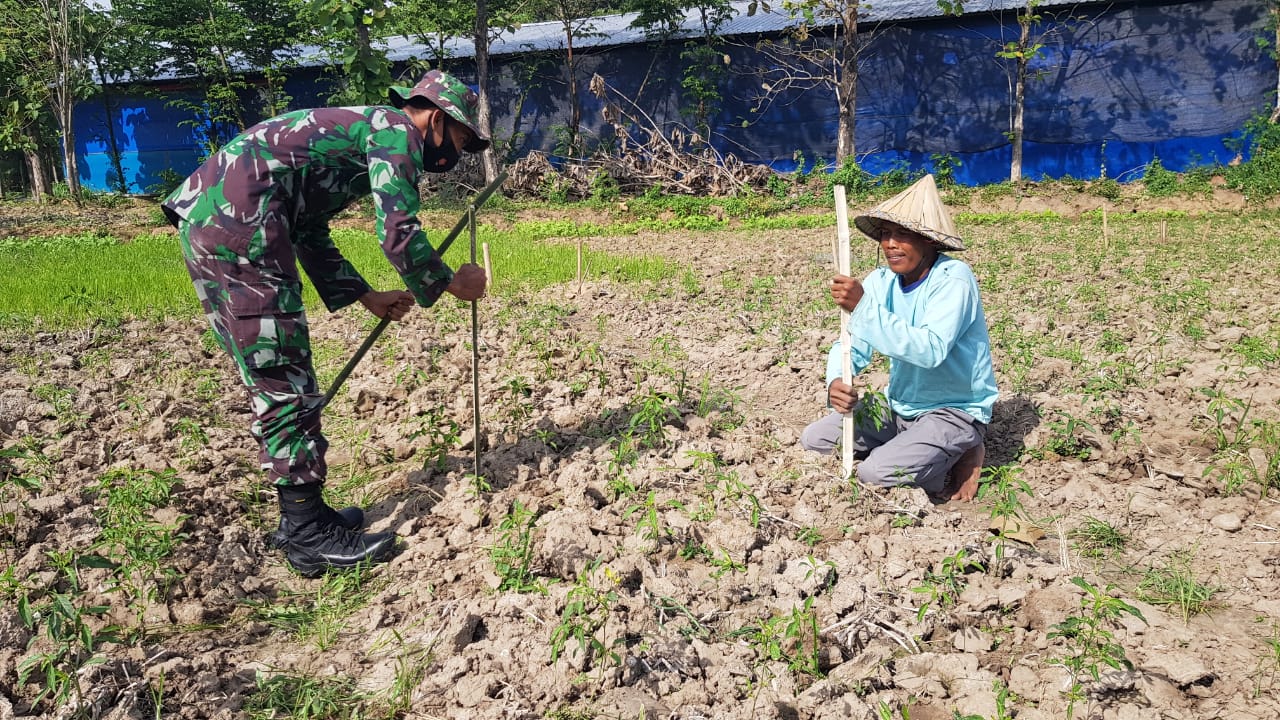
[922,311]
[260,207]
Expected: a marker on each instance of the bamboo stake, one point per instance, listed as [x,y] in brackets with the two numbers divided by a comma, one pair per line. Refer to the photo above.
[488,268]
[475,352]
[846,360]
[1106,236]
[1164,231]
[579,264]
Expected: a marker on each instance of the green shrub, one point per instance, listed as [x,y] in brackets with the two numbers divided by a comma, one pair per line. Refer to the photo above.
[167,180]
[1259,178]
[1106,188]
[604,187]
[944,169]
[1159,181]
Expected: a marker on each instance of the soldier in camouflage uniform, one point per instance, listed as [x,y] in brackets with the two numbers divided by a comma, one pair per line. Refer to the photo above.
[259,208]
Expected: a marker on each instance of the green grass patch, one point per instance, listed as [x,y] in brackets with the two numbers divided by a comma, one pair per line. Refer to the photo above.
[73,281]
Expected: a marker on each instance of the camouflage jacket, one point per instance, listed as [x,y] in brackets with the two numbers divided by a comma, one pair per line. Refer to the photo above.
[284,178]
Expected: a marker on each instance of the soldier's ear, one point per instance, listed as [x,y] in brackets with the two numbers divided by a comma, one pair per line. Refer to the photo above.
[436,123]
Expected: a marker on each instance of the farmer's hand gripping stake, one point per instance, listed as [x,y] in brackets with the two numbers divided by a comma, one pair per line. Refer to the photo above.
[382,324]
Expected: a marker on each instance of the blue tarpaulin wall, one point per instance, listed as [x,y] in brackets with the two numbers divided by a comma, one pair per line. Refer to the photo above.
[1115,86]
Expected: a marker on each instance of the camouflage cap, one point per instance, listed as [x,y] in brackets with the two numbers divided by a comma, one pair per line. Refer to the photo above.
[450,95]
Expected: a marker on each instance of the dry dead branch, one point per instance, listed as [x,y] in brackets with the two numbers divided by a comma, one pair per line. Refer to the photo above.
[647,155]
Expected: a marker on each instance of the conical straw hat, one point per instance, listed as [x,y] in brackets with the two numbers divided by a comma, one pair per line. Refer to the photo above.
[919,209]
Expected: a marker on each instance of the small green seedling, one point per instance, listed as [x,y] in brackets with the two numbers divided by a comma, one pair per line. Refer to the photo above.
[1090,643]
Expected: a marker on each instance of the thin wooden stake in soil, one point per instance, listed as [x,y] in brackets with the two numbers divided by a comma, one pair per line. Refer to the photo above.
[1164,231]
[475,353]
[476,202]
[846,361]
[579,264]
[488,268]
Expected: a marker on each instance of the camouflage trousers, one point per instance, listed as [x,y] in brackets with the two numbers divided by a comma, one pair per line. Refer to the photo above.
[253,301]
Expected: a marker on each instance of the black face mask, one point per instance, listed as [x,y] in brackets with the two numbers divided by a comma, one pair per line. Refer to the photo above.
[440,158]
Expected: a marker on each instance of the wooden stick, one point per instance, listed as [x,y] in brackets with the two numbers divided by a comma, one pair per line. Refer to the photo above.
[488,268]
[846,360]
[475,354]
[579,263]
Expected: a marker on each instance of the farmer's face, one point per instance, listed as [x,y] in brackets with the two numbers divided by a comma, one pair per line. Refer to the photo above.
[908,254]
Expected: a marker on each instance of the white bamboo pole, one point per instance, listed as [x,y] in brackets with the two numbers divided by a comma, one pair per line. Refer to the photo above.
[488,268]
[846,360]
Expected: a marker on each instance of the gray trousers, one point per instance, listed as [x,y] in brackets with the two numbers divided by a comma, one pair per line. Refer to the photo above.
[921,450]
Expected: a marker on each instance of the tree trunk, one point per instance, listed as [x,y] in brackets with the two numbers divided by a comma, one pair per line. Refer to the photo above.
[64,49]
[487,159]
[847,84]
[575,111]
[1020,85]
[1275,19]
[70,164]
[113,144]
[39,183]
[1019,95]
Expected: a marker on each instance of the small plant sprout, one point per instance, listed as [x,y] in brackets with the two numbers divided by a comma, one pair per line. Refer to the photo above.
[585,617]
[65,636]
[792,638]
[649,418]
[1175,585]
[296,696]
[441,434]
[943,588]
[650,525]
[1089,640]
[477,485]
[1269,663]
[725,564]
[809,536]
[1096,538]
[512,555]
[16,482]
[1065,439]
[1004,488]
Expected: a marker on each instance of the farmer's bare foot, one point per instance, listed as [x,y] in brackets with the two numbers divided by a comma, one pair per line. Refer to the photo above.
[965,474]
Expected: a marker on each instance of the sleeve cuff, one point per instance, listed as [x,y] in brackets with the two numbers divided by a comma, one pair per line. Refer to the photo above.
[337,297]
[427,287]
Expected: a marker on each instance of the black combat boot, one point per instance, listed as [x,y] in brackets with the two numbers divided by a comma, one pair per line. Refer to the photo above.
[351,518]
[316,543]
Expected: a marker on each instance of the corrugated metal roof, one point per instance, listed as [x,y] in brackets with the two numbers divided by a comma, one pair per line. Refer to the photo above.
[611,30]
[608,30]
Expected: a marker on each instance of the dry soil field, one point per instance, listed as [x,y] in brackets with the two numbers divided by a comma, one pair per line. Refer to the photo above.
[647,540]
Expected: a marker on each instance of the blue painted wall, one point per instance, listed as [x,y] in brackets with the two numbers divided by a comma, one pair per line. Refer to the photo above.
[1140,80]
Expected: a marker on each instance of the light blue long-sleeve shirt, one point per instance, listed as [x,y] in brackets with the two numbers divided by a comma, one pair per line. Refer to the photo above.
[935,337]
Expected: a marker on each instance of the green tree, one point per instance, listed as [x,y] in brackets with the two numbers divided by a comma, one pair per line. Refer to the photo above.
[432,24]
[1021,51]
[575,18]
[61,47]
[25,92]
[819,51]
[1271,44]
[491,21]
[703,60]
[112,62]
[230,51]
[350,27]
